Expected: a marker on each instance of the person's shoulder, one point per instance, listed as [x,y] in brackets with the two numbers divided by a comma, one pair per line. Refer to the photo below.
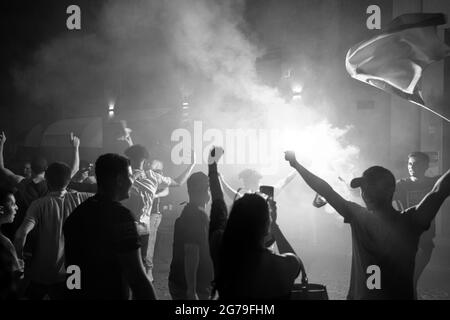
[403,182]
[150,174]
[121,212]
[25,181]
[39,202]
[287,257]
[287,261]
[5,241]
[356,207]
[88,205]
[79,196]
[432,180]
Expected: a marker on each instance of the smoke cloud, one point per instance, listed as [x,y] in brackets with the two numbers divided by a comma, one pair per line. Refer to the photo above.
[148,54]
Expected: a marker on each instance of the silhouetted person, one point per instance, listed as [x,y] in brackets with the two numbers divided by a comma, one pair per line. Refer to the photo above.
[409,192]
[244,267]
[191,270]
[35,187]
[46,216]
[27,170]
[155,214]
[381,236]
[11,268]
[102,240]
[143,193]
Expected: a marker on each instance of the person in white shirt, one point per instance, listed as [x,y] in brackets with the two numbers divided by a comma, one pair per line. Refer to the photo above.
[47,215]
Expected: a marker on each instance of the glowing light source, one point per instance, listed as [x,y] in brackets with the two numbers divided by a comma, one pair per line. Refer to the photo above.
[111,106]
[297,89]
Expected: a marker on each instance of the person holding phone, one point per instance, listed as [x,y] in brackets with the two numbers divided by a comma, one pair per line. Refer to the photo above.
[244,268]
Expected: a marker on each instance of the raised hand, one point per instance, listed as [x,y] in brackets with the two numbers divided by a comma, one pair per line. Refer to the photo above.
[215,154]
[2,138]
[290,157]
[74,140]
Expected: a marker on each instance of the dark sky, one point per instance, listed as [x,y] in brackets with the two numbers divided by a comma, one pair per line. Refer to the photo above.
[25,24]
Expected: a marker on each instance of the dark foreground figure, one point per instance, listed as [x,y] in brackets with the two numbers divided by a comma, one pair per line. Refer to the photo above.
[102,240]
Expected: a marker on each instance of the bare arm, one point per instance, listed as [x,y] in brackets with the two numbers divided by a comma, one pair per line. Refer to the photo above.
[318,185]
[133,271]
[163,193]
[229,191]
[21,236]
[279,186]
[284,247]
[75,141]
[191,262]
[219,212]
[13,178]
[427,209]
[182,178]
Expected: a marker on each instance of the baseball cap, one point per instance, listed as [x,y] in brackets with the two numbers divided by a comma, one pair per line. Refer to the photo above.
[375,177]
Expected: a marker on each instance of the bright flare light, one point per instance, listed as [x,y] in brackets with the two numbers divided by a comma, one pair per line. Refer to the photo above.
[297,89]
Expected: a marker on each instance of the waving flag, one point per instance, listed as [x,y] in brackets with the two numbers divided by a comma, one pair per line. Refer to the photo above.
[395,60]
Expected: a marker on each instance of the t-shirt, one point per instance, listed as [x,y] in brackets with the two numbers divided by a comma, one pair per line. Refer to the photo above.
[48,215]
[96,233]
[388,241]
[142,194]
[10,252]
[191,228]
[410,193]
[30,191]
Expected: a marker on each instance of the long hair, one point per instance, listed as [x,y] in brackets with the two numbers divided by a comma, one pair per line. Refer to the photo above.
[242,242]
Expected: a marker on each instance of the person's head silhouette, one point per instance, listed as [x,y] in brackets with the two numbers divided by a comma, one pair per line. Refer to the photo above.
[250,178]
[249,222]
[377,187]
[198,189]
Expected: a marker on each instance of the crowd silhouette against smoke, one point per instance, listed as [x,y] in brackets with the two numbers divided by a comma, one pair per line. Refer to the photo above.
[197,149]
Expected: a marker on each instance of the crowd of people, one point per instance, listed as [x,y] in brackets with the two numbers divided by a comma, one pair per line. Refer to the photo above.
[104,219]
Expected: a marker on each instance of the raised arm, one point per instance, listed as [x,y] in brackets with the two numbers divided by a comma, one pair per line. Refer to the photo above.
[427,209]
[319,185]
[75,142]
[162,193]
[280,185]
[219,213]
[182,178]
[229,191]
[12,178]
[283,245]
